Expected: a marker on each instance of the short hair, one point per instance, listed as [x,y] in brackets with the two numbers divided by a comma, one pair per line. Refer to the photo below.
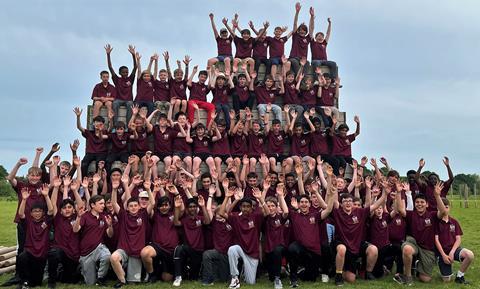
[273,173]
[200,125]
[118,170]
[121,68]
[37,205]
[163,71]
[230,175]
[162,115]
[241,75]
[178,70]
[327,75]
[120,124]
[252,175]
[445,201]
[66,202]
[206,175]
[65,163]
[393,173]
[203,72]
[245,31]
[346,196]
[179,114]
[163,200]
[246,200]
[319,33]
[192,201]
[316,120]
[356,199]
[99,119]
[94,199]
[269,77]
[221,122]
[302,27]
[343,126]
[34,171]
[298,124]
[107,197]
[104,72]
[304,196]
[132,200]
[420,196]
[276,121]
[290,72]
[278,28]
[410,172]
[272,199]
[289,175]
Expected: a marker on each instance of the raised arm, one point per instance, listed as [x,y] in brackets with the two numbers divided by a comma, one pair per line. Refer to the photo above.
[380,201]
[190,78]
[446,162]
[311,24]
[116,206]
[295,19]
[13,173]
[45,190]
[442,210]
[357,130]
[214,27]
[78,113]
[178,212]
[108,50]
[230,30]
[138,57]
[36,160]
[351,186]
[21,208]
[329,29]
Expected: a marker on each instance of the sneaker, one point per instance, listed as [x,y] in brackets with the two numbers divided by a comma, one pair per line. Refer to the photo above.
[338,279]
[207,284]
[101,282]
[325,278]
[399,279]
[369,276]
[461,280]
[23,285]
[177,282]
[408,280]
[235,283]
[119,284]
[294,284]
[277,284]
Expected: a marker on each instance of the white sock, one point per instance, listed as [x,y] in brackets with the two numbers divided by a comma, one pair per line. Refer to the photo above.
[460,274]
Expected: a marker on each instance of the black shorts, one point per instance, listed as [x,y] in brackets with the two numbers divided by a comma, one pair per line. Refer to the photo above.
[446,269]
[202,156]
[182,155]
[278,157]
[163,259]
[223,157]
[162,156]
[352,261]
[363,248]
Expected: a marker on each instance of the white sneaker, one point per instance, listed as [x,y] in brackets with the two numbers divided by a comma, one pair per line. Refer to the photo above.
[178,281]
[277,284]
[325,278]
[235,283]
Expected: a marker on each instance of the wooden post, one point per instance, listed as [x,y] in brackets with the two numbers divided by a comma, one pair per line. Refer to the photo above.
[465,196]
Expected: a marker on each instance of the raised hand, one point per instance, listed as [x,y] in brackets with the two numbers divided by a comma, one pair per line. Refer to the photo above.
[224,20]
[211,16]
[250,24]
[298,169]
[96,178]
[131,49]
[238,194]
[438,188]
[45,190]
[284,59]
[298,6]
[364,161]
[256,193]
[74,185]
[23,161]
[329,20]
[383,160]
[56,160]
[294,203]
[67,181]
[373,162]
[108,220]
[55,147]
[421,163]
[74,146]
[303,61]
[187,59]
[368,182]
[356,119]
[57,182]
[312,11]
[25,193]
[446,161]
[201,201]
[77,111]
[39,150]
[84,182]
[280,190]
[138,56]
[166,56]
[108,48]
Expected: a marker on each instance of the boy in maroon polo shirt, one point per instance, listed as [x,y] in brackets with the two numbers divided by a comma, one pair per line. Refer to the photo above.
[300,40]
[428,187]
[306,232]
[448,238]
[238,136]
[145,85]
[182,149]
[328,93]
[201,149]
[350,222]
[276,47]
[123,83]
[178,85]
[161,96]
[266,94]
[94,225]
[221,87]
[103,94]
[291,97]
[342,144]
[193,245]
[256,141]
[119,140]
[224,47]
[37,224]
[242,96]
[141,145]
[260,48]
[310,92]
[247,226]
[164,241]
[420,241]
[198,95]
[276,139]
[133,222]
[318,47]
[96,148]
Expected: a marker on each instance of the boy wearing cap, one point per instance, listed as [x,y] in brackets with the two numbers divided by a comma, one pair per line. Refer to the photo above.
[224,47]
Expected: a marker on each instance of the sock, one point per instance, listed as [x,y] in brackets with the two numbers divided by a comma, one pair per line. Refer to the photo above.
[338,271]
[460,274]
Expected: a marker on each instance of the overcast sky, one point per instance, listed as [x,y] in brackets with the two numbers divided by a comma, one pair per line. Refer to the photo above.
[410,69]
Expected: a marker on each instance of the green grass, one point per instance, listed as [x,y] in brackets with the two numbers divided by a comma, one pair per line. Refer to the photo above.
[468,218]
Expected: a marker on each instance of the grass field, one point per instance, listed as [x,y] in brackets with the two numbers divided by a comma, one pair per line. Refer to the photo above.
[468,218]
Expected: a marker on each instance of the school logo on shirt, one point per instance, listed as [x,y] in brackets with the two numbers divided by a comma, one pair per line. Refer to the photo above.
[203,88]
[165,136]
[72,222]
[272,95]
[251,224]
[452,228]
[347,141]
[428,222]
[115,219]
[139,222]
[124,142]
[227,41]
[224,92]
[167,86]
[294,192]
[228,227]
[128,83]
[277,223]
[108,94]
[355,219]
[292,86]
[43,225]
[312,220]
[198,223]
[304,40]
[205,143]
[279,137]
[171,218]
[260,140]
[181,86]
[384,224]
[287,224]
[398,222]
[101,223]
[312,92]
[144,135]
[150,83]
[303,142]
[265,44]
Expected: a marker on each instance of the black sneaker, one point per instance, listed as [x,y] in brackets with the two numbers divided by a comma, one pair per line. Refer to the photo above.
[119,284]
[23,285]
[101,282]
[294,284]
[369,276]
[399,279]
[461,280]
[338,279]
[152,278]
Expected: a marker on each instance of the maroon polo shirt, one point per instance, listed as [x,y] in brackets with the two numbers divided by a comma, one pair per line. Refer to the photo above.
[378,233]
[201,145]
[319,143]
[180,144]
[92,232]
[277,46]
[243,92]
[164,233]
[95,144]
[178,89]
[223,232]
[260,48]
[132,233]
[306,229]
[349,228]
[221,147]
[145,91]
[319,50]
[447,232]
[163,141]
[422,228]
[274,230]
[265,95]
[239,145]
[328,96]
[299,45]
[162,90]
[247,231]
[101,90]
[309,96]
[198,91]
[112,242]
[119,143]
[255,144]
[300,144]
[342,146]
[291,94]
[37,235]
[276,142]
[397,229]
[221,94]
[141,144]
[64,237]
[193,230]
[224,46]
[243,47]
[35,196]
[124,87]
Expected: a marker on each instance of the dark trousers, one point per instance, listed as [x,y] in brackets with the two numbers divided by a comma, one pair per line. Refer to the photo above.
[340,162]
[148,104]
[274,261]
[30,268]
[184,255]
[299,255]
[267,62]
[214,267]
[386,256]
[238,104]
[225,108]
[327,120]
[88,158]
[113,157]
[327,260]
[69,273]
